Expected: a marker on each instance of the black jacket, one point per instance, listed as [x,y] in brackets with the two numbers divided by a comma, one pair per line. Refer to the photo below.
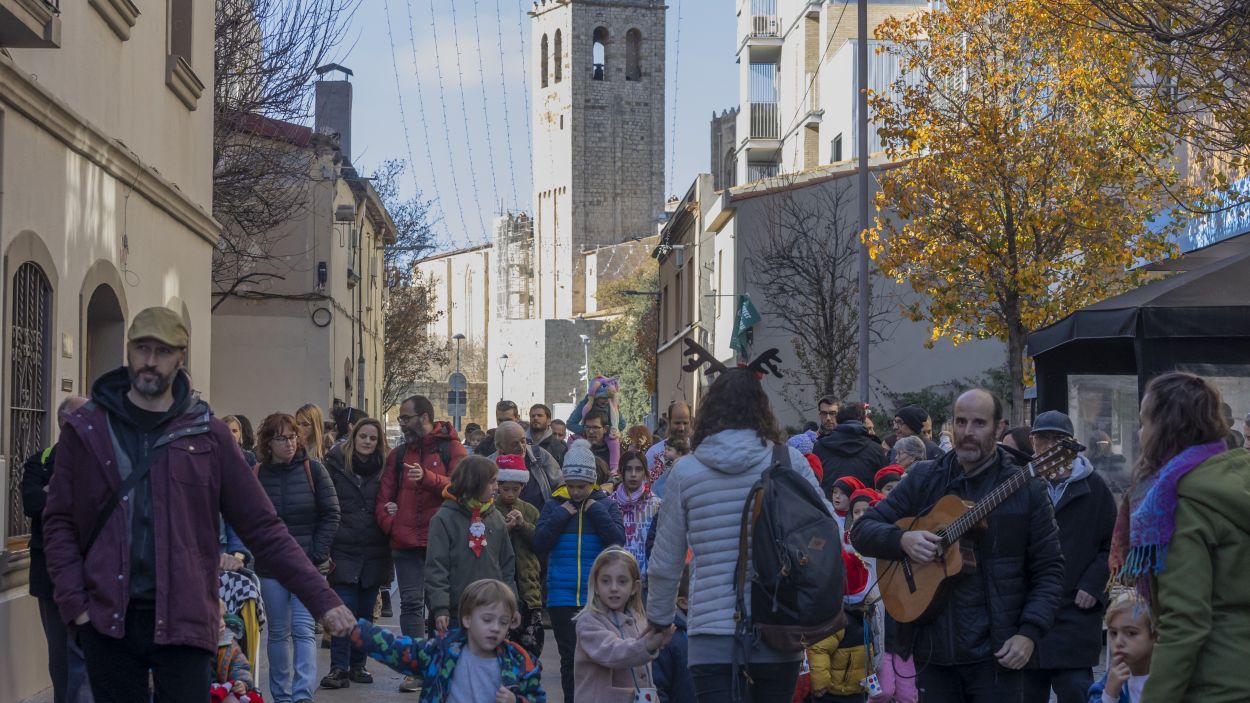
[361,550]
[1086,516]
[552,444]
[849,450]
[486,447]
[36,473]
[312,518]
[1019,579]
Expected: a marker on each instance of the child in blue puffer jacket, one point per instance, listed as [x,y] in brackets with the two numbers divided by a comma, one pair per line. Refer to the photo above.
[577,523]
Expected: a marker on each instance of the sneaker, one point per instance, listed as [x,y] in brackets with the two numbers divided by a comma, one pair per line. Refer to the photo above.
[337,678]
[410,685]
[360,674]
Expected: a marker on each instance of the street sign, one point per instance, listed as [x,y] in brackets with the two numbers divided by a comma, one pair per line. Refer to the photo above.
[457,403]
[457,382]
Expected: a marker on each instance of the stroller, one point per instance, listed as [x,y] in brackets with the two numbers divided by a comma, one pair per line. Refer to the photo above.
[245,612]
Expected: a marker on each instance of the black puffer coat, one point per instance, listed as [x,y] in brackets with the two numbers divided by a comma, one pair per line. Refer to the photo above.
[849,450]
[361,550]
[311,513]
[1019,578]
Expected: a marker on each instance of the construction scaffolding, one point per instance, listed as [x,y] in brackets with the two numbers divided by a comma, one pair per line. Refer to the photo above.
[514,266]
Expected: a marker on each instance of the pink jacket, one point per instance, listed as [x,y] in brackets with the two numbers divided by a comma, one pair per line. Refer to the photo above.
[605,657]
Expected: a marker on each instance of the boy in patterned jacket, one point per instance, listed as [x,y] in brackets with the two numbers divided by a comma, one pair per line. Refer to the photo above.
[471,663]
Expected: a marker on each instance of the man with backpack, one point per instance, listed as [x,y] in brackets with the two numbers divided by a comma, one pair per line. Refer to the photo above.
[977,646]
[707,497]
[412,491]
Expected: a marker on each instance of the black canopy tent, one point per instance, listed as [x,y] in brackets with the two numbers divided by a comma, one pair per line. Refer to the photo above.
[1195,318]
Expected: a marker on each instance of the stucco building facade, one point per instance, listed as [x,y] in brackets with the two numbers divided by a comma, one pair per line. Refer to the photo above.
[105,209]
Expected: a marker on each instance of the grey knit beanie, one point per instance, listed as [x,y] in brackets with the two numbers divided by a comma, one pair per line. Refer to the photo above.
[579,462]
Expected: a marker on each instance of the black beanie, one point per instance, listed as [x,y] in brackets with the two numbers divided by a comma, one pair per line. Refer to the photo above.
[913,416]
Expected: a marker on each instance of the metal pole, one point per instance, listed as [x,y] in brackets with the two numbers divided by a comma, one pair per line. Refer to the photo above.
[655,368]
[863,180]
[586,350]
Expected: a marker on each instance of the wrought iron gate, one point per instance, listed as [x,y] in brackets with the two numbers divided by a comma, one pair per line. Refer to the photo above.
[30,363]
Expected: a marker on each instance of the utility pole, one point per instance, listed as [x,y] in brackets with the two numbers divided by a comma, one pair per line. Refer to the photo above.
[863,180]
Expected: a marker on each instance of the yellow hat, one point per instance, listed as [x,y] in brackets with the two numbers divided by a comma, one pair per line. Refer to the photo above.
[162,324]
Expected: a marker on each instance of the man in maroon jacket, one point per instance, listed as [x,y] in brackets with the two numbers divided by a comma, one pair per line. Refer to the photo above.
[131,524]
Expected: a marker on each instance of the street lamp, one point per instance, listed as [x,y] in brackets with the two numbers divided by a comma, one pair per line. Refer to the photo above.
[586,350]
[459,338]
[503,365]
[655,366]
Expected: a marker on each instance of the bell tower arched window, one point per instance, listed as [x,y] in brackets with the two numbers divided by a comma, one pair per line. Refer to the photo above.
[542,52]
[633,55]
[30,369]
[558,56]
[599,55]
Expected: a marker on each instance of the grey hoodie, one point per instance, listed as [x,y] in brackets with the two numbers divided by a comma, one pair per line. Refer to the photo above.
[702,511]
[1080,469]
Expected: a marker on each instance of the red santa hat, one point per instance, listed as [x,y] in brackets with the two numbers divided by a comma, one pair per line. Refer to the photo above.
[864,494]
[889,474]
[817,467]
[512,468]
[848,484]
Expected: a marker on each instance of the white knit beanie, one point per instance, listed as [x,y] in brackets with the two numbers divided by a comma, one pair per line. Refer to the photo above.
[579,463]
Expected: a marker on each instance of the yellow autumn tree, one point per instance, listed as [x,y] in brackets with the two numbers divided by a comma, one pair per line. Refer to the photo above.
[1020,194]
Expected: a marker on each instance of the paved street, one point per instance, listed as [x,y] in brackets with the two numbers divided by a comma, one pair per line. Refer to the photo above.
[385,688]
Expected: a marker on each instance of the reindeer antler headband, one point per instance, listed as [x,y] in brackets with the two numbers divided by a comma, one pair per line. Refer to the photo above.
[763,365]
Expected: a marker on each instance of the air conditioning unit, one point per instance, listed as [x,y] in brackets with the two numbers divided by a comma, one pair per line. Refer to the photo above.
[352,278]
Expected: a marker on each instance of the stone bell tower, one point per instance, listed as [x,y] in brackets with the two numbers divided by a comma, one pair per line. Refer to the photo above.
[597,83]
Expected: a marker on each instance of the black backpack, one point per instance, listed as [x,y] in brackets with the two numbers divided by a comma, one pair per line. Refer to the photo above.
[798,577]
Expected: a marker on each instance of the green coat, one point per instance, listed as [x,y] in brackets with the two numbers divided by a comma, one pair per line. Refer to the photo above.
[450,565]
[529,577]
[1202,597]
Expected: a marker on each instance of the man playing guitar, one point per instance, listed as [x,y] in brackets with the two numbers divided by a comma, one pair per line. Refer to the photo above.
[978,642]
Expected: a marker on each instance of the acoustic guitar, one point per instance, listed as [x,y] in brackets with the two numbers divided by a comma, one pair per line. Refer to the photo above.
[916,593]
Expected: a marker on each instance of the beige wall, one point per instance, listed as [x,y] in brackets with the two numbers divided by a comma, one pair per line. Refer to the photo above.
[272,354]
[105,185]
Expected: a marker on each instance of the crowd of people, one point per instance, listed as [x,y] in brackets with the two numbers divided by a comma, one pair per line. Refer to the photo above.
[150,515]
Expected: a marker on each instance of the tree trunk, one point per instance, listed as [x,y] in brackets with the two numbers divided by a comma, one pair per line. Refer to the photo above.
[1016,337]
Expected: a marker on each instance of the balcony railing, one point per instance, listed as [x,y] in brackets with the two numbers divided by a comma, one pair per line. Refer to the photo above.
[758,171]
[765,121]
[765,26]
[812,83]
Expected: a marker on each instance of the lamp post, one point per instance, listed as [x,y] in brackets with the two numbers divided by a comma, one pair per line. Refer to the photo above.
[586,352]
[655,364]
[503,366]
[459,338]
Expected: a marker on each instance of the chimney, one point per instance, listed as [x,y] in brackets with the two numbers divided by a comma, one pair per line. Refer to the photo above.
[334,106]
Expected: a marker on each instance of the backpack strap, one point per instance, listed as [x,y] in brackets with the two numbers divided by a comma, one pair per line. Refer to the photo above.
[256,469]
[781,456]
[444,452]
[308,475]
[742,623]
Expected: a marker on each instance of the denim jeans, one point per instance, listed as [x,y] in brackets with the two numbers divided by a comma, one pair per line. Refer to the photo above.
[66,664]
[292,649]
[360,600]
[410,571]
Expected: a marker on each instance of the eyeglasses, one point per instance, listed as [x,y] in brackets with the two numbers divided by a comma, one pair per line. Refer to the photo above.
[286,438]
[404,419]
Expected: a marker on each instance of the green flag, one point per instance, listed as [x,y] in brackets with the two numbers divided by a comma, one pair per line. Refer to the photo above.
[745,318]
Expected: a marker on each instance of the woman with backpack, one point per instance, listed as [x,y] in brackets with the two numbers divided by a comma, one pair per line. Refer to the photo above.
[303,495]
[734,435]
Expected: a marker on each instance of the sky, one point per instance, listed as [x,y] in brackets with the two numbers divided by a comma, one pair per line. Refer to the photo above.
[460,118]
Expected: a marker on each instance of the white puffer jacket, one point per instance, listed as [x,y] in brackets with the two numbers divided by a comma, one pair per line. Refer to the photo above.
[702,511]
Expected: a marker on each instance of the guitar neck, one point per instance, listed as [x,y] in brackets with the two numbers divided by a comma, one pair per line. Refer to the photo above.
[977,513]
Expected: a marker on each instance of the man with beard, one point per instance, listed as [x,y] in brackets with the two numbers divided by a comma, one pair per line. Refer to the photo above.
[141,475]
[412,491]
[545,474]
[680,422]
[542,435]
[912,421]
[827,409]
[977,646]
[595,431]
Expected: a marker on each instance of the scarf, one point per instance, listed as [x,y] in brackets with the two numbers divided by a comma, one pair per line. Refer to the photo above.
[1139,544]
[366,466]
[632,504]
[477,528]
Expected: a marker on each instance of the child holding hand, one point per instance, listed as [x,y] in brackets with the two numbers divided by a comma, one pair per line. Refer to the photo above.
[613,659]
[471,664]
[1131,637]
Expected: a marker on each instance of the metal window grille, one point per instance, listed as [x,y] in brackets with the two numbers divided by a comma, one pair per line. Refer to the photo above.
[30,367]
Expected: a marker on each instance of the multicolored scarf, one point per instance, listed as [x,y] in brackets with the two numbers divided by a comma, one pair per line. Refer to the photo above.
[1143,530]
[477,528]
